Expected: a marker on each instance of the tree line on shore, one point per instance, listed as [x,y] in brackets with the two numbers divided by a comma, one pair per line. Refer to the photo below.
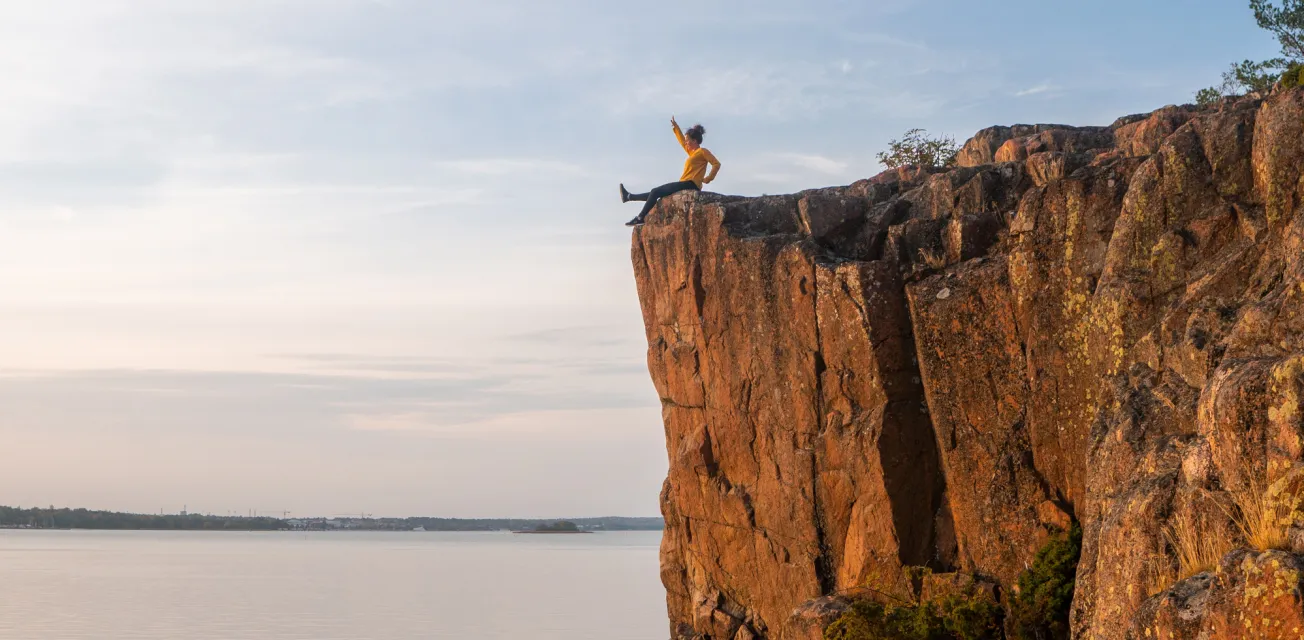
[66,518]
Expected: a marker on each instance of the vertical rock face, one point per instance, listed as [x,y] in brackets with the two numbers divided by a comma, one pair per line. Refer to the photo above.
[941,369]
[802,461]
[978,395]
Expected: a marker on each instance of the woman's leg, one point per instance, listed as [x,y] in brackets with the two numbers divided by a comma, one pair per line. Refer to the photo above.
[660,192]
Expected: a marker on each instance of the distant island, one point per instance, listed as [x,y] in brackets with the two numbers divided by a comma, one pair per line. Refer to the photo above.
[561,526]
[66,518]
[608,523]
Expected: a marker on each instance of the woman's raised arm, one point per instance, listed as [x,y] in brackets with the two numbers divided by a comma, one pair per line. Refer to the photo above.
[679,135]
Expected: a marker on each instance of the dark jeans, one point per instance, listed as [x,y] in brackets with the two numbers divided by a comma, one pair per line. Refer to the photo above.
[660,192]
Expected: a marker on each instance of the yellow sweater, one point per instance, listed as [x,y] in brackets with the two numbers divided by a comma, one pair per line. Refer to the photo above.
[695,165]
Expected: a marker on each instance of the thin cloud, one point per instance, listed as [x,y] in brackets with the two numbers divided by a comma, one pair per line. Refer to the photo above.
[511,166]
[814,162]
[575,336]
[1037,90]
[299,404]
[539,423]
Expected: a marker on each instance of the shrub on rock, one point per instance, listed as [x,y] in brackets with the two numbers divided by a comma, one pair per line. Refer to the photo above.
[1040,610]
[968,615]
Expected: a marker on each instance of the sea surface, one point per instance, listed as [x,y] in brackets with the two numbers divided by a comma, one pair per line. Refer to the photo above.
[325,586]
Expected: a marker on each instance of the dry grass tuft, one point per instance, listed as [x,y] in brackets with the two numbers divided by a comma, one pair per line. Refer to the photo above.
[1264,514]
[1197,547]
[932,259]
[1160,575]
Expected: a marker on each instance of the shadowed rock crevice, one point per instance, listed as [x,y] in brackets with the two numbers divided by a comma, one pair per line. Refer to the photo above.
[825,571]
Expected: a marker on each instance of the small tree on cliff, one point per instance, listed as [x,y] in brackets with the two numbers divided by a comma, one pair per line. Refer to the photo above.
[917,148]
[1287,24]
[1243,77]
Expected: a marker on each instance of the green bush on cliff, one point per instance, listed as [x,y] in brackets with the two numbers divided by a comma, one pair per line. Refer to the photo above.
[971,616]
[1293,77]
[1286,22]
[1040,610]
[873,621]
[1207,96]
[917,148]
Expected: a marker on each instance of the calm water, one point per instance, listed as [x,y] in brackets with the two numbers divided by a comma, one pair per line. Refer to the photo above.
[327,586]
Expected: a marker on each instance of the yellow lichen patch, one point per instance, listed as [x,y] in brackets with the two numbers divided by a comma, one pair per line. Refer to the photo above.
[1074,214]
[1163,261]
[1284,414]
[1074,303]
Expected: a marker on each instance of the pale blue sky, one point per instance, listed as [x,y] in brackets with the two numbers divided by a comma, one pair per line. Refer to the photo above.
[343,255]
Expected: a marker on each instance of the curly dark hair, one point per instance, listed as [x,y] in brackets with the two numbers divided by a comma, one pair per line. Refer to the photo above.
[695,133]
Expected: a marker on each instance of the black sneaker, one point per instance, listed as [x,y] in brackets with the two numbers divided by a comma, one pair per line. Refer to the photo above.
[624,195]
[635,222]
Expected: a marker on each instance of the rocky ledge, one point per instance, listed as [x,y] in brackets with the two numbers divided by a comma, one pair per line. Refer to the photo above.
[944,368]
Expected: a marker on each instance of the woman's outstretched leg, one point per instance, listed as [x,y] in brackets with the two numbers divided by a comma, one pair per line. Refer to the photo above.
[651,199]
[654,196]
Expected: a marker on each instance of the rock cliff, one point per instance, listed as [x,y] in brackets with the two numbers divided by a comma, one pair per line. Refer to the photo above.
[1102,325]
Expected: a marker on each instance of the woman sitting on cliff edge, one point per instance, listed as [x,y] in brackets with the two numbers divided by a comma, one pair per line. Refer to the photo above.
[694,176]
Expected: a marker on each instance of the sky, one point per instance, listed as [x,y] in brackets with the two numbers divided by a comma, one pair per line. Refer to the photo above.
[339,257]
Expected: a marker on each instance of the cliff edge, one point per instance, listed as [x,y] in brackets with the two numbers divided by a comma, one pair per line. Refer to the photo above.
[942,369]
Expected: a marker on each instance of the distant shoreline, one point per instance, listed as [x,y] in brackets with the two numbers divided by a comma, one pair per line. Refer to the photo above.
[331,531]
[89,520]
[554,533]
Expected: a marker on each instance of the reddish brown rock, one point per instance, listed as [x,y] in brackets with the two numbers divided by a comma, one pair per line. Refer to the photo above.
[1250,595]
[801,457]
[1017,143]
[1278,159]
[1138,450]
[1142,135]
[810,619]
[981,148]
[971,354]
[1060,237]
[941,367]
[876,448]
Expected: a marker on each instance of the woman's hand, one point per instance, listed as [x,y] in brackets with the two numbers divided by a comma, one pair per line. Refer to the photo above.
[673,123]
